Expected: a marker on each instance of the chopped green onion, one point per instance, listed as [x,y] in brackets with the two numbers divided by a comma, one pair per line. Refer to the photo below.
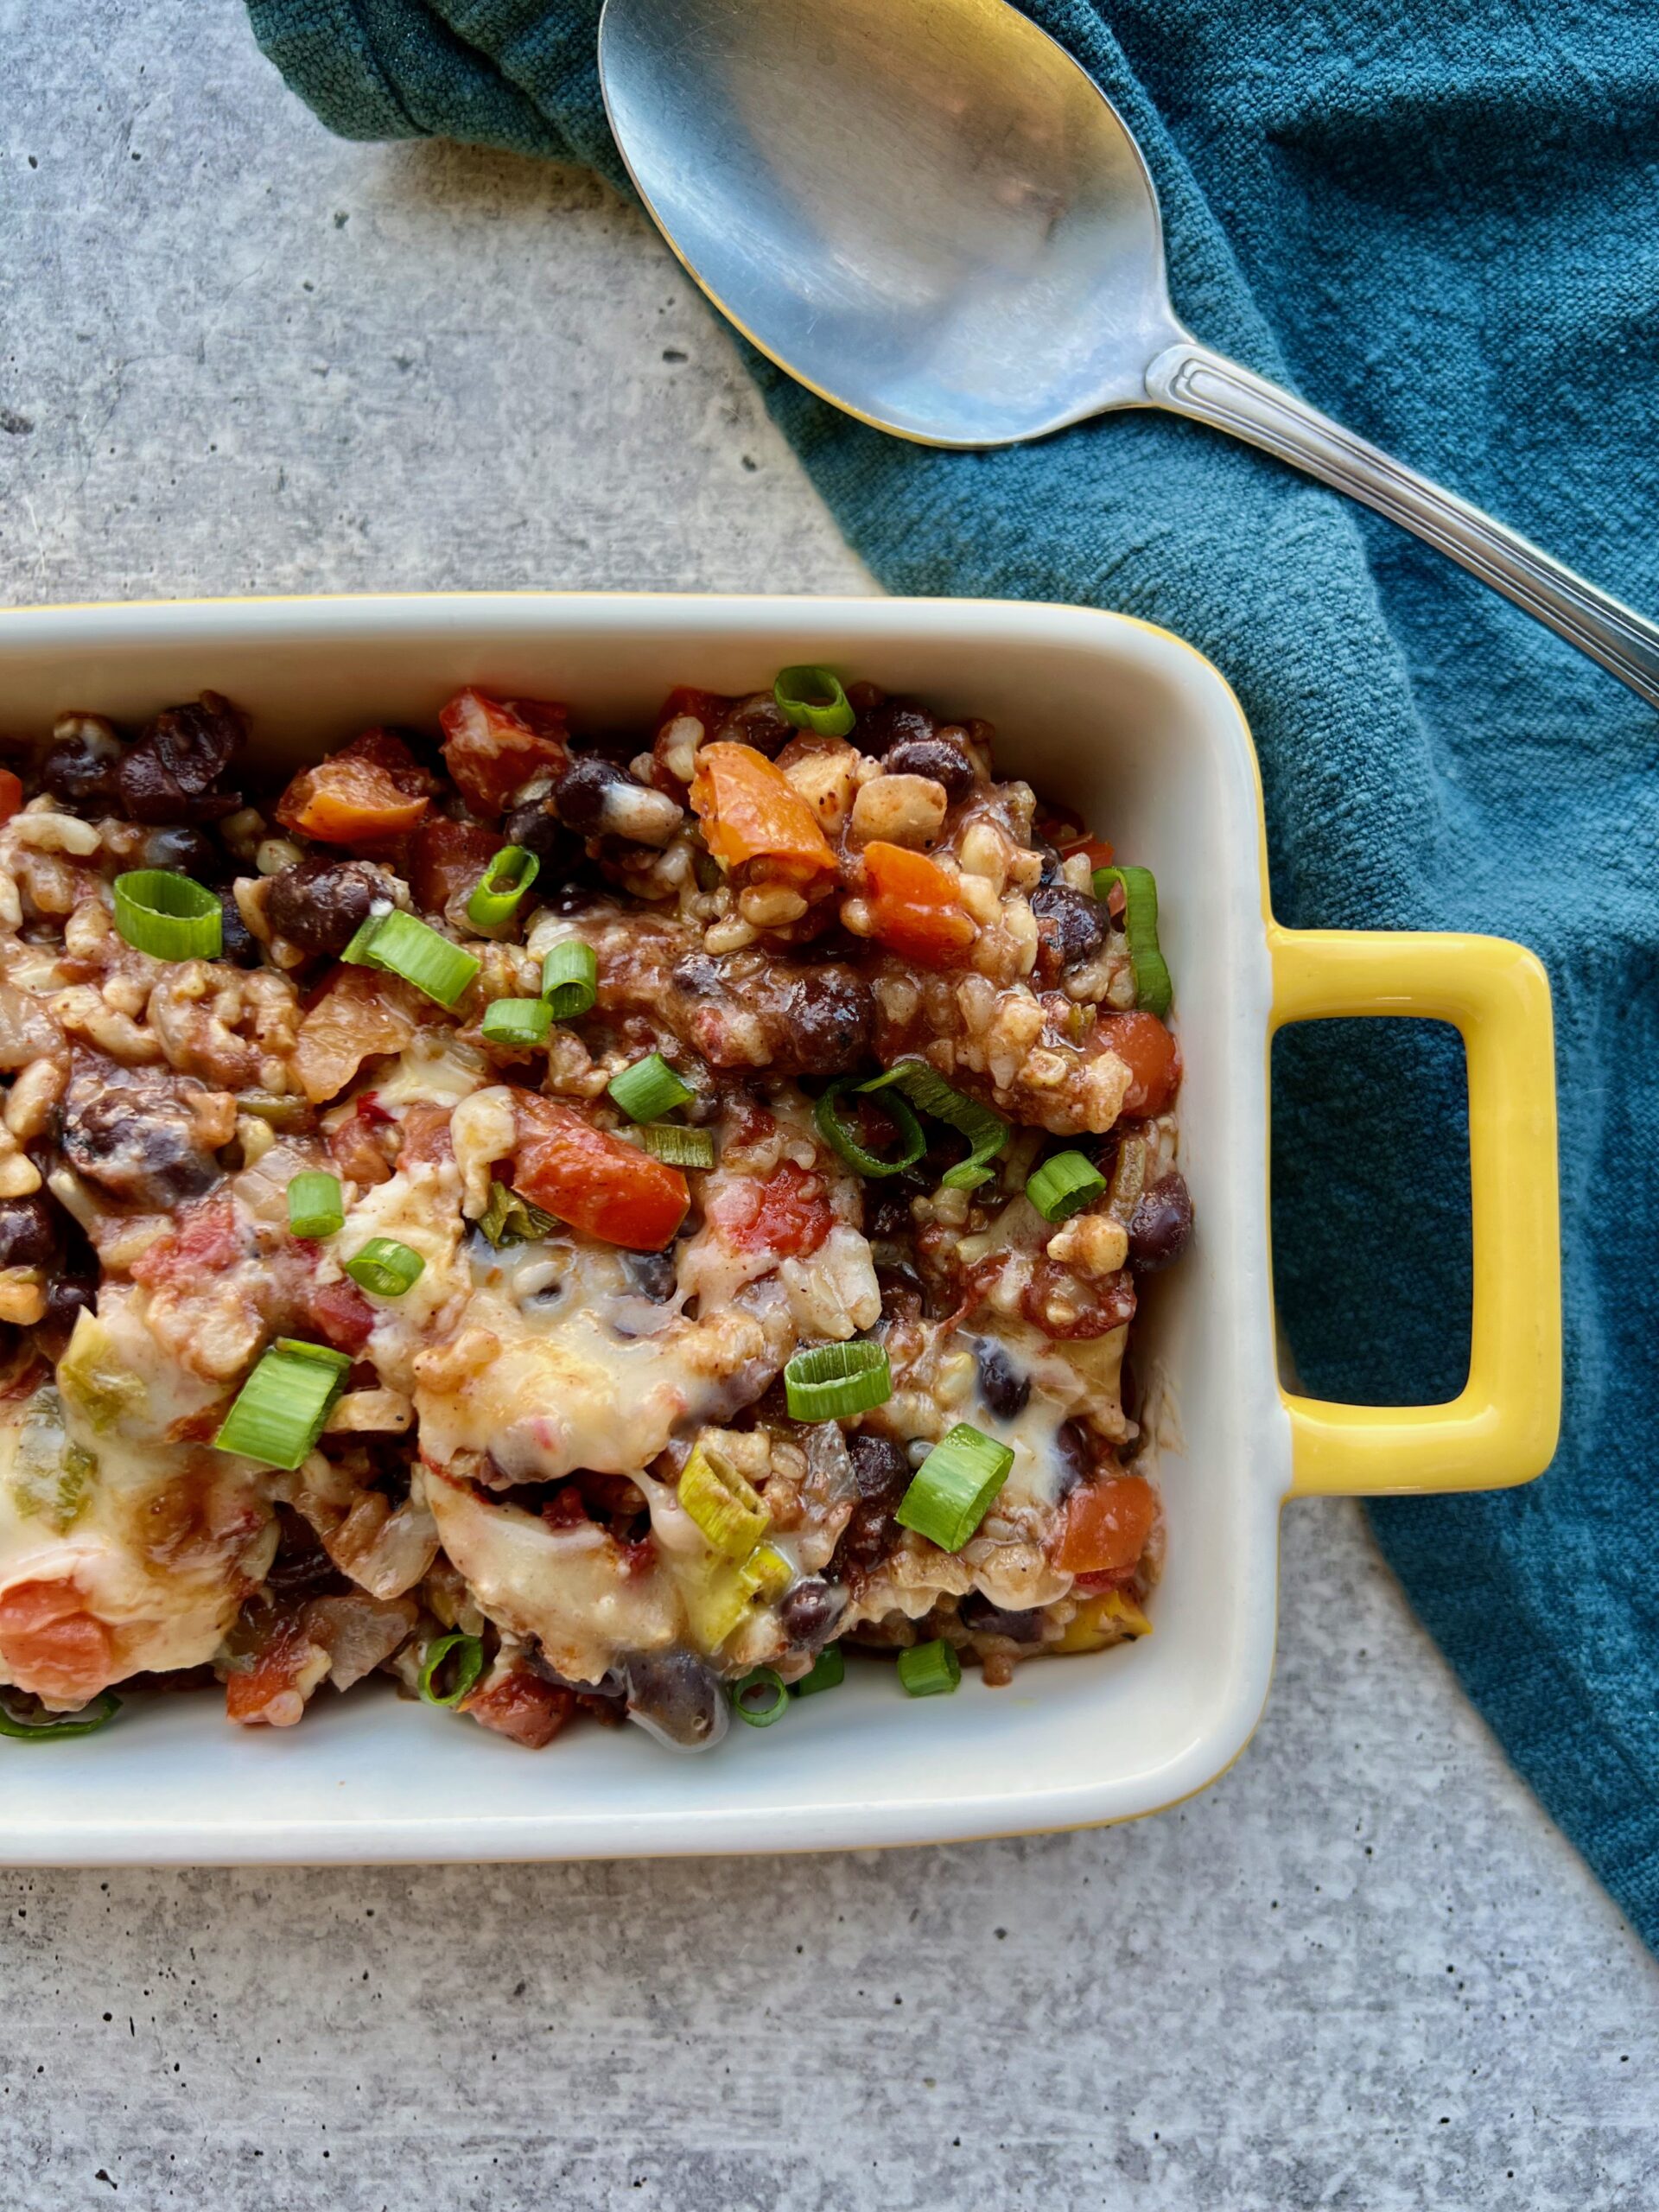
[517,1021]
[929,1092]
[728,1511]
[1153,988]
[509,1219]
[281,1409]
[385,1267]
[315,1207]
[951,1492]
[1065,1185]
[679,1146]
[761,1697]
[834,1131]
[811,698]
[501,887]
[828,1672]
[570,979]
[649,1089]
[402,945]
[170,917]
[929,1669]
[468,1666]
[40,1727]
[832,1380]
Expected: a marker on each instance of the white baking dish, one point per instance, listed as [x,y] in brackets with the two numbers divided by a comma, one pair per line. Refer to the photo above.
[1142,736]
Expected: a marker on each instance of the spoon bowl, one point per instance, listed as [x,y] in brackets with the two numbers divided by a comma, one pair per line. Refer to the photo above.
[928,214]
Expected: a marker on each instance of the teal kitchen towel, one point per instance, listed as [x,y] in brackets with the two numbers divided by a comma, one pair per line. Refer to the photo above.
[1438,223]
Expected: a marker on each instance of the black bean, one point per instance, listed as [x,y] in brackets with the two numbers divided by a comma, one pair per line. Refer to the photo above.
[1004,1388]
[936,756]
[881,1469]
[1160,1225]
[538,829]
[172,773]
[1070,924]
[652,1274]
[758,721]
[579,795]
[981,1617]
[29,1231]
[890,722]
[1077,1451]
[677,1697]
[808,1612]
[79,767]
[182,851]
[822,1022]
[67,1297]
[320,905]
[1051,863]
[237,941]
[137,1146]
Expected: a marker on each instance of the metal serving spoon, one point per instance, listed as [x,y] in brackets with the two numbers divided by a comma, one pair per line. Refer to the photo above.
[928,214]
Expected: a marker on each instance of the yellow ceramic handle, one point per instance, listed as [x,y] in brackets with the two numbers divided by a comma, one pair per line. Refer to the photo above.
[1502,1427]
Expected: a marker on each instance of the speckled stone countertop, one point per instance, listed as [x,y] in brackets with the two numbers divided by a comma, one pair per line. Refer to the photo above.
[1363,1971]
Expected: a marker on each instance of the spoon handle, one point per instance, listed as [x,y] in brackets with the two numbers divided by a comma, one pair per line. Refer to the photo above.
[1189,379]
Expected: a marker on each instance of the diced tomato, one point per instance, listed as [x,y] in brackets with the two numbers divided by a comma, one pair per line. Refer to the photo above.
[596,1182]
[491,746]
[350,800]
[271,1693]
[359,1154]
[205,1241]
[11,794]
[447,859]
[340,1313]
[426,1133]
[52,1647]
[915,906]
[384,748]
[522,1706]
[788,1213]
[1106,1526]
[750,812]
[1152,1057]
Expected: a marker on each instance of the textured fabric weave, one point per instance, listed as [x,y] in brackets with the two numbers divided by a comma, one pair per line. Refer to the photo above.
[1437,222]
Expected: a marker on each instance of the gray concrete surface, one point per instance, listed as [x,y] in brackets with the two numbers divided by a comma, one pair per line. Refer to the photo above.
[1362,1972]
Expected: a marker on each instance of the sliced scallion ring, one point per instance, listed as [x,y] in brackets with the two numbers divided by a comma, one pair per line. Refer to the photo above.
[929,1092]
[834,1131]
[517,1021]
[929,1669]
[951,1492]
[761,1697]
[42,1727]
[503,883]
[1153,988]
[570,979]
[385,1267]
[832,1380]
[468,1657]
[649,1089]
[828,1672]
[314,1205]
[509,1219]
[811,698]
[679,1146]
[402,944]
[1063,1185]
[170,917]
[280,1410]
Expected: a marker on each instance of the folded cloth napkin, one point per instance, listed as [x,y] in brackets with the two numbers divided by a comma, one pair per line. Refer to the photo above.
[1437,221]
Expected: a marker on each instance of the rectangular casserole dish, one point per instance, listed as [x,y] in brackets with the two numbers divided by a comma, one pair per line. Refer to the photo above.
[1144,739]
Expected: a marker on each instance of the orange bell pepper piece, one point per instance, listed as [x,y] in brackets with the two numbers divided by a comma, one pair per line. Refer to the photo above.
[915,906]
[1150,1053]
[596,1182]
[349,801]
[1106,1526]
[11,794]
[749,811]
